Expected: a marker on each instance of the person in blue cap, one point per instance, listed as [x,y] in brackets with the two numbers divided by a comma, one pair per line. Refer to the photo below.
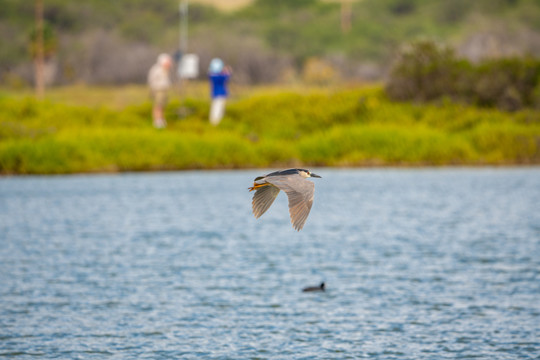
[219,75]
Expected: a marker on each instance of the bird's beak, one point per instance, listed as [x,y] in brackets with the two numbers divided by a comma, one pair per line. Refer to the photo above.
[315,175]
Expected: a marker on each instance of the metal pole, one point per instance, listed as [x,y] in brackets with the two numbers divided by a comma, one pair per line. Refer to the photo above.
[346,16]
[39,60]
[183,50]
[184,26]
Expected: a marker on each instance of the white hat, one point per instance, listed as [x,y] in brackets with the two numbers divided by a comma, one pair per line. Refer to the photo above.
[164,59]
[216,66]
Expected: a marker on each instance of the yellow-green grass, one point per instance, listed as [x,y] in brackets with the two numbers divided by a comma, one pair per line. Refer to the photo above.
[262,128]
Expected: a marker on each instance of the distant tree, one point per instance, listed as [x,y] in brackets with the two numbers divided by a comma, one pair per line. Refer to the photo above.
[424,70]
[402,7]
[50,41]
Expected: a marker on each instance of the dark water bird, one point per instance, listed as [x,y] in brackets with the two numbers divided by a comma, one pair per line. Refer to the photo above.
[314,288]
[293,182]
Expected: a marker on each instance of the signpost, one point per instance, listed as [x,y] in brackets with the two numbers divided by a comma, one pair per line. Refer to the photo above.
[188,64]
[39,55]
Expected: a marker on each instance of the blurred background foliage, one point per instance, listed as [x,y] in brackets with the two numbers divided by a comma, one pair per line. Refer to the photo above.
[279,41]
[426,71]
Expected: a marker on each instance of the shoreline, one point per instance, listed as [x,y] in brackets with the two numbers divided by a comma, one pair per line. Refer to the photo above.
[232,169]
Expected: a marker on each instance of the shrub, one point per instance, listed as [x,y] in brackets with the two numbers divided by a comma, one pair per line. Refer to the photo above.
[507,83]
[426,71]
[318,72]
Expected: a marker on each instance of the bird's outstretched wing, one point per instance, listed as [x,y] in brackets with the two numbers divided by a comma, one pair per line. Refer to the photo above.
[300,193]
[263,198]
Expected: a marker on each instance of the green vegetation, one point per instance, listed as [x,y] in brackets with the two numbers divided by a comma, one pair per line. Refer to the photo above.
[91,129]
[350,127]
[426,71]
[112,42]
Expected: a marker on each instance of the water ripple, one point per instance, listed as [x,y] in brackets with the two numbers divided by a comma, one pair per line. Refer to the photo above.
[423,264]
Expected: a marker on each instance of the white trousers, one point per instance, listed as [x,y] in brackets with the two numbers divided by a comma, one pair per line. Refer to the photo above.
[217,110]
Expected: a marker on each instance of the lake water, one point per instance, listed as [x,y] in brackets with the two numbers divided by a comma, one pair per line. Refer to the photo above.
[418,263]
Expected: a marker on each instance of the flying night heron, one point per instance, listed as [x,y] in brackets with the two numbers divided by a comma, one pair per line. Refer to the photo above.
[293,182]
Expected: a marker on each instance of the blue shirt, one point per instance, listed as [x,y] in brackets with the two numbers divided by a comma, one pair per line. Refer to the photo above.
[219,84]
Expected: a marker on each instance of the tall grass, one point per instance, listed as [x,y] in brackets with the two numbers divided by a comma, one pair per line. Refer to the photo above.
[351,127]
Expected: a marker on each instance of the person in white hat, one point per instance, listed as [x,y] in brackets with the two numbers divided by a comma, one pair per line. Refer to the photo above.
[159,83]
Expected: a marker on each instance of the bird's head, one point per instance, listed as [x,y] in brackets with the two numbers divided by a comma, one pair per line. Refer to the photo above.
[306,173]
